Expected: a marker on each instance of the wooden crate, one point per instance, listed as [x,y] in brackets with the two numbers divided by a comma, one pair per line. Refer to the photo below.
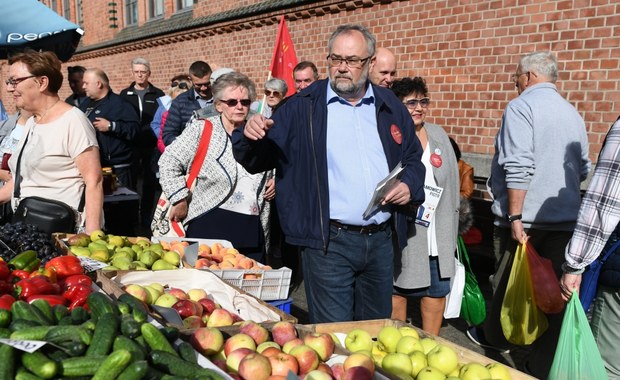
[374,326]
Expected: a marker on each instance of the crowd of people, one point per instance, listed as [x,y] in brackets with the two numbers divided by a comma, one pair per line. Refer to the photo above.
[299,173]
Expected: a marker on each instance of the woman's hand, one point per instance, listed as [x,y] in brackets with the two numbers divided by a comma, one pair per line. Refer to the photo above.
[270,189]
[5,175]
[568,283]
[179,211]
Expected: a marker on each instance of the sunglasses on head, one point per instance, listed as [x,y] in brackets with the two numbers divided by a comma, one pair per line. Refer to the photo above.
[181,85]
[234,102]
[277,94]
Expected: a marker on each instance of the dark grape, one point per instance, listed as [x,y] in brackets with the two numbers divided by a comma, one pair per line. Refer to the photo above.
[21,237]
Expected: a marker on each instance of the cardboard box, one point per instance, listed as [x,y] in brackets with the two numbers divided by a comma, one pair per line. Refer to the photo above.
[374,326]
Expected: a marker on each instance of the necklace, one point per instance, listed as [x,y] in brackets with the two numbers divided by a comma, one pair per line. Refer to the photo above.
[46,111]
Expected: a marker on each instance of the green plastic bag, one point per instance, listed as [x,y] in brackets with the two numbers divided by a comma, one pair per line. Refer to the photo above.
[522,321]
[577,357]
[473,307]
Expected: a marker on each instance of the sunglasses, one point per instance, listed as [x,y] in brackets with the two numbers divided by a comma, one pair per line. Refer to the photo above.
[234,102]
[413,103]
[181,85]
[277,94]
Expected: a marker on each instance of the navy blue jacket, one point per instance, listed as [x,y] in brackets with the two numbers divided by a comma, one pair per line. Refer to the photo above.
[115,146]
[296,147]
[179,114]
[610,272]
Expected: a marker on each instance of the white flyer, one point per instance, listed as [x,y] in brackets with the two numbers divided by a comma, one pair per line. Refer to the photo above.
[426,211]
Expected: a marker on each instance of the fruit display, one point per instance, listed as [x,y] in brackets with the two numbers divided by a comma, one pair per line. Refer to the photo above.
[112,341]
[254,352]
[20,237]
[216,256]
[121,253]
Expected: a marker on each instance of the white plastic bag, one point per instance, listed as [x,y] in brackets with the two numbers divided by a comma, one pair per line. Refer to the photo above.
[455,297]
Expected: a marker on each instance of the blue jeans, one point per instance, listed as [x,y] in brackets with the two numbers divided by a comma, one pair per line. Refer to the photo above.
[352,280]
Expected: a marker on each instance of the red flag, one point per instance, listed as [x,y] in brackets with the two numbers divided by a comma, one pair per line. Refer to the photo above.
[284,59]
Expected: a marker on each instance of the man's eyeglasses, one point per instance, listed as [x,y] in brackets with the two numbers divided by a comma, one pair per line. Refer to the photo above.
[234,102]
[353,63]
[413,103]
[277,94]
[140,72]
[181,85]
[15,81]
[206,85]
[516,76]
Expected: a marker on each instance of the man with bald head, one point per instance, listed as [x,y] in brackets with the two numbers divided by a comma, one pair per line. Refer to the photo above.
[383,68]
[117,124]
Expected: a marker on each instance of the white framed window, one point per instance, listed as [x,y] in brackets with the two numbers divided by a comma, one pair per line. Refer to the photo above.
[131,12]
[78,12]
[66,9]
[156,8]
[183,4]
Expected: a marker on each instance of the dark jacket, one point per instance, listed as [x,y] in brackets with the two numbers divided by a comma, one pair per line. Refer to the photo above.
[610,272]
[179,114]
[116,145]
[145,110]
[296,147]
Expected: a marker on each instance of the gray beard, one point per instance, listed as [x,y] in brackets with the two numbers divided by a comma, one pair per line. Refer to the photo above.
[346,90]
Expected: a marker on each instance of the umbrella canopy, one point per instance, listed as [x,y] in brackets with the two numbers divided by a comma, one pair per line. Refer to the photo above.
[30,24]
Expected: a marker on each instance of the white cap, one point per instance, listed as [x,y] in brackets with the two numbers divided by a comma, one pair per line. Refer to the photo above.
[219,72]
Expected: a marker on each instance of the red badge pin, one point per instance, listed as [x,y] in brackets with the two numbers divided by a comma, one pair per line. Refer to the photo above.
[436,160]
[396,135]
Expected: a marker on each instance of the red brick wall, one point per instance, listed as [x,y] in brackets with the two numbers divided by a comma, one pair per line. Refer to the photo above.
[466,50]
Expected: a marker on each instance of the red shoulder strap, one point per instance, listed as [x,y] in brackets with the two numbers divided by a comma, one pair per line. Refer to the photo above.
[201,153]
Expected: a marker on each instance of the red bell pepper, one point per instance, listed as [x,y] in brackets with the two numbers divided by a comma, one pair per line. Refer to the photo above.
[6,300]
[76,279]
[76,292]
[4,270]
[35,285]
[78,302]
[47,272]
[52,299]
[6,287]
[19,274]
[65,266]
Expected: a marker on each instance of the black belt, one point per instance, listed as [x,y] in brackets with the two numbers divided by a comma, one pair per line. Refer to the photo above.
[369,229]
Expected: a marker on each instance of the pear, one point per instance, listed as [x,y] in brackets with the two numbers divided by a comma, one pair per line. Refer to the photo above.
[116,241]
[172,257]
[148,257]
[80,251]
[122,263]
[79,240]
[101,255]
[97,235]
[162,264]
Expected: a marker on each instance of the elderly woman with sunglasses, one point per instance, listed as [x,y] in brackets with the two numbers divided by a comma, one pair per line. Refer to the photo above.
[424,268]
[227,202]
[275,91]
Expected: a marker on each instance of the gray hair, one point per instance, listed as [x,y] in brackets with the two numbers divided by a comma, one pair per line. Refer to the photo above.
[347,29]
[233,79]
[142,61]
[277,84]
[543,63]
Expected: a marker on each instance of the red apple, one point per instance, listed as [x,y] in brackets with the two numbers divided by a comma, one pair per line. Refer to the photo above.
[357,373]
[359,359]
[324,367]
[196,294]
[307,358]
[178,293]
[185,308]
[282,332]
[220,317]
[337,371]
[220,363]
[234,358]
[236,318]
[193,322]
[208,305]
[288,346]
[282,363]
[207,340]
[254,367]
[256,331]
[316,375]
[276,377]
[270,351]
[322,343]
[238,341]
[270,343]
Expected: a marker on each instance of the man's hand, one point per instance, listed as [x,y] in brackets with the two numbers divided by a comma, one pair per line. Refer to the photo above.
[568,283]
[270,189]
[399,195]
[179,211]
[256,128]
[102,125]
[518,233]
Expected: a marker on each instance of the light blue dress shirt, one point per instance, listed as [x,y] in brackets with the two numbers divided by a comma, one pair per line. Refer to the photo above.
[356,160]
[3,115]
[203,102]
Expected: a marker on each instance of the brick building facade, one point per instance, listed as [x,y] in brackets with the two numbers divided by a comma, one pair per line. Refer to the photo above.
[466,49]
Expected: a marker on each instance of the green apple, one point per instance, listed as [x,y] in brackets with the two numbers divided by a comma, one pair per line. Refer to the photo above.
[408,344]
[397,364]
[498,371]
[418,361]
[409,331]
[172,257]
[428,344]
[166,300]
[443,358]
[159,287]
[358,340]
[430,373]
[377,353]
[389,337]
[474,371]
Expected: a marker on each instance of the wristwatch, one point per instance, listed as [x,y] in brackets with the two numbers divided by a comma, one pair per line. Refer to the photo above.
[514,218]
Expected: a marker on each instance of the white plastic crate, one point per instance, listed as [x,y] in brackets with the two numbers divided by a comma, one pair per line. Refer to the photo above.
[268,284]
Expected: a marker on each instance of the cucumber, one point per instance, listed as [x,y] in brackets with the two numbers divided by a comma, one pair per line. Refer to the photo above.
[124,343]
[134,371]
[187,352]
[44,307]
[5,318]
[171,333]
[60,334]
[80,366]
[8,356]
[39,364]
[113,365]
[156,339]
[129,326]
[73,348]
[31,333]
[19,323]
[139,310]
[60,311]
[103,337]
[23,310]
[100,304]
[24,374]
[123,308]
[90,324]
[65,321]
[79,315]
[176,366]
